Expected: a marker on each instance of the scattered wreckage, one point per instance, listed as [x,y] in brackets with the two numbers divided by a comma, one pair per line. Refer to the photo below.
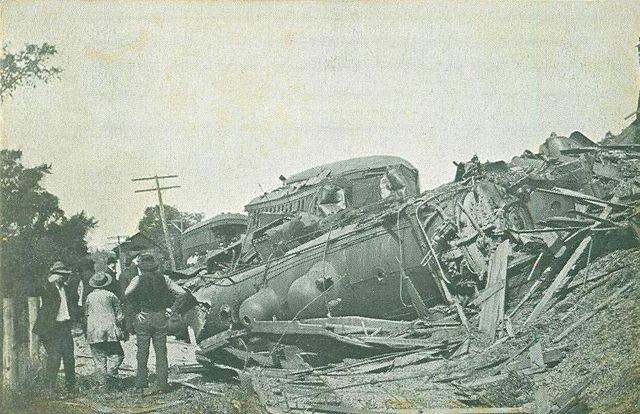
[349,267]
[348,259]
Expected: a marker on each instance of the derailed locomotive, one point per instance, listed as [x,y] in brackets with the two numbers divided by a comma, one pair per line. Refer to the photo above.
[356,238]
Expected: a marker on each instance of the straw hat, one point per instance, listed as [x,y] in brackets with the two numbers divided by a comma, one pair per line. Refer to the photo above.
[100,280]
[59,268]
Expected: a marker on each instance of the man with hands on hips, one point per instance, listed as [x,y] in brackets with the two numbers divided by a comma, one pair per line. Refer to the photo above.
[153,295]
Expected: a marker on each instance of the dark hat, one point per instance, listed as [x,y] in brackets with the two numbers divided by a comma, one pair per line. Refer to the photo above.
[59,268]
[100,280]
[148,262]
[111,259]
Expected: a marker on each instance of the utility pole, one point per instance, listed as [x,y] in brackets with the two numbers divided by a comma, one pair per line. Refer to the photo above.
[159,190]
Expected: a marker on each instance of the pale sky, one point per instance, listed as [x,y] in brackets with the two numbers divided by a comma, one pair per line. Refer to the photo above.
[229,95]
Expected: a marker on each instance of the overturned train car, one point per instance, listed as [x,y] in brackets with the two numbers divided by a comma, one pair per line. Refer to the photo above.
[357,238]
[365,242]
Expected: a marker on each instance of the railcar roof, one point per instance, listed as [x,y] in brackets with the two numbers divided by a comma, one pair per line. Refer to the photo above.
[220,220]
[337,168]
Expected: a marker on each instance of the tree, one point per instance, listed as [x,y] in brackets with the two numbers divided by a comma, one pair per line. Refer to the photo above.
[151,226]
[25,67]
[35,230]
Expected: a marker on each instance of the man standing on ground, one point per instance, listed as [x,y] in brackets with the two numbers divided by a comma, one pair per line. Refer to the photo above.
[104,329]
[152,293]
[53,325]
[114,287]
[126,276]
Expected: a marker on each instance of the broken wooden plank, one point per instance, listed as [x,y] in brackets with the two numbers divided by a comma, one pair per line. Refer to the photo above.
[591,314]
[596,218]
[406,342]
[533,268]
[461,315]
[485,381]
[540,393]
[579,282]
[462,349]
[324,370]
[284,328]
[526,297]
[583,197]
[513,356]
[471,219]
[546,230]
[566,222]
[398,362]
[536,355]
[492,310]
[291,358]
[486,294]
[246,355]
[481,382]
[201,389]
[558,282]
[251,384]
[220,340]
[550,357]
[384,325]
[570,397]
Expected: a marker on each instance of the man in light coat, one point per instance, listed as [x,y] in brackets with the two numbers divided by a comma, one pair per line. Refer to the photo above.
[104,330]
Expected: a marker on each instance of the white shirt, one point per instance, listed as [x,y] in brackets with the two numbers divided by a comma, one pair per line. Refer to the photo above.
[63,310]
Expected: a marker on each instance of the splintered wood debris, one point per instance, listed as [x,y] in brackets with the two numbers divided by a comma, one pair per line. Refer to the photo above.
[515,291]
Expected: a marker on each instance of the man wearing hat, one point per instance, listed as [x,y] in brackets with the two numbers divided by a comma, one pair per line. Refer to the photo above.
[114,287]
[153,295]
[53,325]
[104,329]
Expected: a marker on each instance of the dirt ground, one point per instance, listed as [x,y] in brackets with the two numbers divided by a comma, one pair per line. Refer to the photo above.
[92,398]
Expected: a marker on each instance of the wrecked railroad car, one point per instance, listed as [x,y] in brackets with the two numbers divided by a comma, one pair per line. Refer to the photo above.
[357,239]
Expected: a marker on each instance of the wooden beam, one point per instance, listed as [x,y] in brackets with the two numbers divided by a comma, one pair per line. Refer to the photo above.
[201,389]
[558,282]
[492,311]
[583,197]
[9,362]
[540,393]
[562,277]
[486,294]
[526,297]
[34,343]
[568,399]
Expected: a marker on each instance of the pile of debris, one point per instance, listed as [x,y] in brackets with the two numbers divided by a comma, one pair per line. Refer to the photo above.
[520,291]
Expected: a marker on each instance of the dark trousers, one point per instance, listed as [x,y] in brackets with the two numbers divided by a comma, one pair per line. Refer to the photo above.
[59,347]
[108,357]
[154,327]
